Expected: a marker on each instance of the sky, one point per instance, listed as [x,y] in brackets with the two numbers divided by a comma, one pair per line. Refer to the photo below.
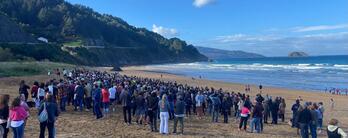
[268,27]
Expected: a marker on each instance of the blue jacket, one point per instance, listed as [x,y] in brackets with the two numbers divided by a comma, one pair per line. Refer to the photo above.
[80,92]
[97,95]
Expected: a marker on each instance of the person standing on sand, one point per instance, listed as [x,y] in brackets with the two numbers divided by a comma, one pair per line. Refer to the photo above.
[199,102]
[97,102]
[314,122]
[112,97]
[4,114]
[216,103]
[140,111]
[152,104]
[320,111]
[125,98]
[304,119]
[267,112]
[256,118]
[332,103]
[62,96]
[334,131]
[88,97]
[105,100]
[17,117]
[282,107]
[224,109]
[23,89]
[244,115]
[188,101]
[179,114]
[274,111]
[34,90]
[79,96]
[294,110]
[52,113]
[164,115]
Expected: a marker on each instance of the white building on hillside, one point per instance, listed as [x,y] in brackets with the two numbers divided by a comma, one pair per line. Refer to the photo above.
[42,39]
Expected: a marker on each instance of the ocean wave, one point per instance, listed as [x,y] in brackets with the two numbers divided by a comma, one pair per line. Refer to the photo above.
[257,66]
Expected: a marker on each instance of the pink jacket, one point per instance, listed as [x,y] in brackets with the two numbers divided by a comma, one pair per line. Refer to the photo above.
[245,112]
[18,113]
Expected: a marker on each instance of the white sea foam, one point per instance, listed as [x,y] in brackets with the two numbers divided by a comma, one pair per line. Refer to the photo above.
[255,66]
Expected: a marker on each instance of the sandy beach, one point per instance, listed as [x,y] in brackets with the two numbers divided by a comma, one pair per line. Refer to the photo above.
[83,124]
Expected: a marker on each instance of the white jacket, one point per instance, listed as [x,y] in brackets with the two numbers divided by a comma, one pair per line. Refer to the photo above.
[332,128]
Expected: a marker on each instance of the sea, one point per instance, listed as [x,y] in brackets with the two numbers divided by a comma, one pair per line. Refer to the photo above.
[315,73]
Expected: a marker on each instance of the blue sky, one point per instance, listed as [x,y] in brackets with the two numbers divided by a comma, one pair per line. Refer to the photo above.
[269,27]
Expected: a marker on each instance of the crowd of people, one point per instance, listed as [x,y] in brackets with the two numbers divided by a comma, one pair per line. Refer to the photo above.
[145,100]
[337,91]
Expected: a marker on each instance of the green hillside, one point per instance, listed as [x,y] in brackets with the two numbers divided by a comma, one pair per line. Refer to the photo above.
[112,40]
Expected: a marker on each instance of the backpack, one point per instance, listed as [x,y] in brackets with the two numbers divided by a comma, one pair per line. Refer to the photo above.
[43,115]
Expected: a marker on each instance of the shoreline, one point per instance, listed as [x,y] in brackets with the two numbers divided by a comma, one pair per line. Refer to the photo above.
[143,69]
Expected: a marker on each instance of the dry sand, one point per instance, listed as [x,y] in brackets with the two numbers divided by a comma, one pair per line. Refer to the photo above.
[84,125]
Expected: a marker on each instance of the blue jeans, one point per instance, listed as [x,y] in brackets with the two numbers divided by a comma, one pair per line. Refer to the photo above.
[96,108]
[237,114]
[313,128]
[18,132]
[293,119]
[171,110]
[79,102]
[106,106]
[63,103]
[255,122]
[320,123]
[215,115]
[304,130]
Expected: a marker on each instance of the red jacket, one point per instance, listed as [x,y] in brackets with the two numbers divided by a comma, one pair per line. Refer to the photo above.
[105,95]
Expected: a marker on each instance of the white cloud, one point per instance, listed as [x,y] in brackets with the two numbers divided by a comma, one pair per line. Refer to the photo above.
[244,37]
[280,45]
[166,32]
[202,3]
[320,28]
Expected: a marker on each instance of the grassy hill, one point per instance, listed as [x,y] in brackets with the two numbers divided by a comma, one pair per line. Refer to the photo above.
[112,39]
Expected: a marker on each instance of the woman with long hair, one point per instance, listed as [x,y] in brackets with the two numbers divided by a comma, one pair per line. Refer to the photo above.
[164,115]
[17,117]
[4,114]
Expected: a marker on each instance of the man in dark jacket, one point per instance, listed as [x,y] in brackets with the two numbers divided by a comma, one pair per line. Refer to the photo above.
[256,120]
[274,112]
[125,98]
[152,104]
[304,119]
[294,110]
[52,113]
[97,100]
[179,114]
[79,96]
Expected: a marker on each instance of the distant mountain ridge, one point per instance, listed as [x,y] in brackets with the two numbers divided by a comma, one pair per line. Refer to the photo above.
[213,53]
[109,39]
